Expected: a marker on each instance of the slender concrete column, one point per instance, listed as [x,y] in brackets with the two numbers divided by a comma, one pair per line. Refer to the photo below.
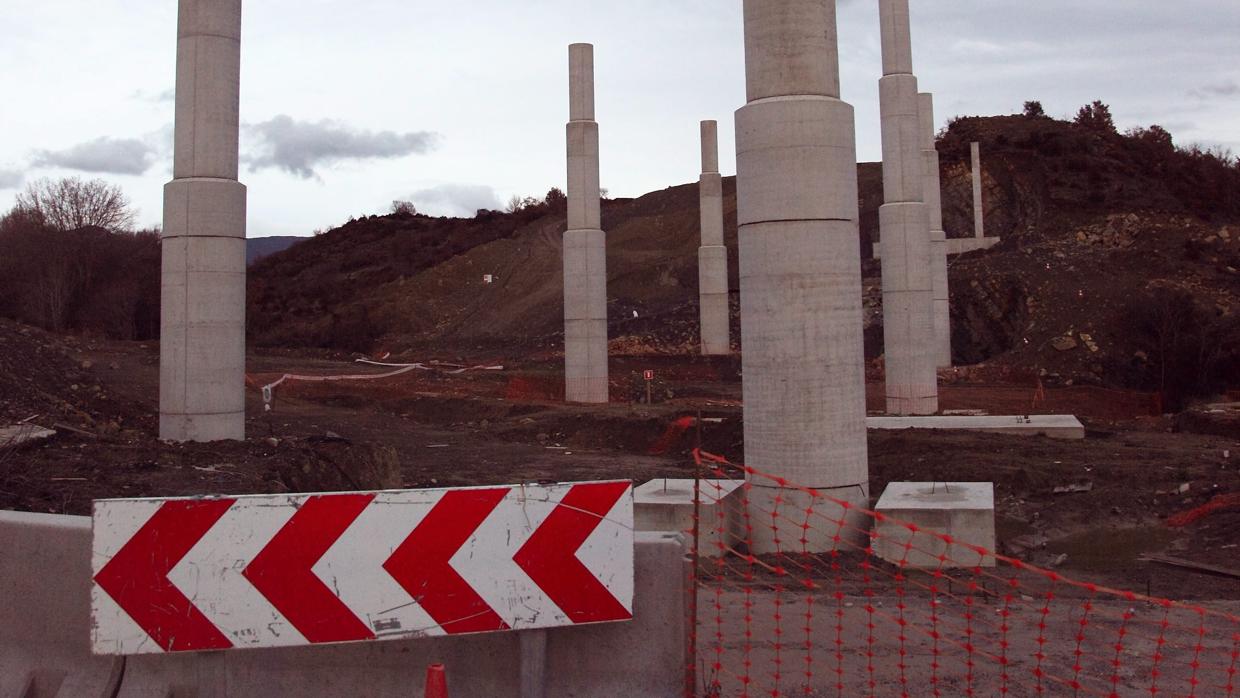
[938,238]
[801,322]
[979,215]
[202,306]
[713,255]
[585,245]
[908,298]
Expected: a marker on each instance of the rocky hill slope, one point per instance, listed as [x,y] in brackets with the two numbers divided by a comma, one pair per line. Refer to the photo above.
[1118,266]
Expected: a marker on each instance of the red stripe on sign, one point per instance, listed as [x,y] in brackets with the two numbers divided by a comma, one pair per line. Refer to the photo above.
[549,557]
[422,563]
[282,571]
[137,576]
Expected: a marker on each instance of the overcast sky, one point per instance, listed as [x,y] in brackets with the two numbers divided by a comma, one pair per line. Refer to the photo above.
[349,104]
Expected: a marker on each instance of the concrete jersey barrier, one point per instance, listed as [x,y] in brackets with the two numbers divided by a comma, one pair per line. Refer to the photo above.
[45,631]
[45,610]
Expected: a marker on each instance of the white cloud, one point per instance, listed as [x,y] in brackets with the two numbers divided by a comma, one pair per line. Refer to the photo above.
[299,147]
[460,200]
[128,156]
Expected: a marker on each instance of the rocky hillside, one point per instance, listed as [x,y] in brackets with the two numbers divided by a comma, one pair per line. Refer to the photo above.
[1101,233]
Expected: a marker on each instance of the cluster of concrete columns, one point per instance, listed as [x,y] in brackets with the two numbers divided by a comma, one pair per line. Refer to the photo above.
[800,275]
[797,213]
[904,224]
[202,306]
[712,255]
[585,244]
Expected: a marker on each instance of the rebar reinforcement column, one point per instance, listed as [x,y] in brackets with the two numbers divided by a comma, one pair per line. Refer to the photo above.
[713,255]
[801,323]
[585,245]
[202,303]
[938,238]
[908,298]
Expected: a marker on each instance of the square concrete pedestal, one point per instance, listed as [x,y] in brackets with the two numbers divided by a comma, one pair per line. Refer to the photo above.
[667,505]
[963,510]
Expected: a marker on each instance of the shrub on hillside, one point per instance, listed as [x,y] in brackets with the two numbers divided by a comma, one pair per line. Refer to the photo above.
[1185,350]
[1096,117]
[82,280]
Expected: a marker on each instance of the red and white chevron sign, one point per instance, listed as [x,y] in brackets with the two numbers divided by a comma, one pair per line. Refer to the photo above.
[176,575]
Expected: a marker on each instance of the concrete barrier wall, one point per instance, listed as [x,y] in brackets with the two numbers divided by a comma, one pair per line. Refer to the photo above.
[44,640]
[45,610]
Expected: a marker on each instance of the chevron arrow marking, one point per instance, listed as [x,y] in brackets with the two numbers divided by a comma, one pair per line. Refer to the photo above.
[137,576]
[175,575]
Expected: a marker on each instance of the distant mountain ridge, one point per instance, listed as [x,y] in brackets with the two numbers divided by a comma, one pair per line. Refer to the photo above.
[257,248]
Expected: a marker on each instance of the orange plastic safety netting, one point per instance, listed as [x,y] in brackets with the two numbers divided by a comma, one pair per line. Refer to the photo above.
[856,617]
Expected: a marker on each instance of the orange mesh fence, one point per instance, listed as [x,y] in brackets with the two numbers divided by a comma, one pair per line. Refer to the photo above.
[804,596]
[1223,502]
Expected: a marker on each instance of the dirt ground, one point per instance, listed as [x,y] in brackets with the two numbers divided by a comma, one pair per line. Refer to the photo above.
[507,426]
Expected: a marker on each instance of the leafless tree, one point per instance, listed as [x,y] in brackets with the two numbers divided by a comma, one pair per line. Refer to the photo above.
[71,203]
[515,204]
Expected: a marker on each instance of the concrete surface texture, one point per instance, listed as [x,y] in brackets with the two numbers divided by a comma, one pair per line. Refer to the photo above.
[202,304]
[804,387]
[585,244]
[45,651]
[910,353]
[963,510]
[713,255]
[933,195]
[45,613]
[667,504]
[979,213]
[1055,426]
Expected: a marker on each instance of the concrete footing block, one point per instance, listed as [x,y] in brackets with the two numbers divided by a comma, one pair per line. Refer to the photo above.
[667,505]
[965,511]
[45,610]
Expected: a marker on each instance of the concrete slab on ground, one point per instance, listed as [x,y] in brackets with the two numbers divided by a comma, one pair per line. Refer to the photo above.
[1055,426]
[965,511]
[20,434]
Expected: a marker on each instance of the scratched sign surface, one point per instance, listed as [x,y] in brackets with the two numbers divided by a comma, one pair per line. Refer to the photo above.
[177,575]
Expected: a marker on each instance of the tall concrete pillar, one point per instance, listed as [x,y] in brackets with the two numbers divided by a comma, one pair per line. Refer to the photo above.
[904,225]
[938,238]
[585,245]
[801,322]
[202,304]
[979,216]
[713,255]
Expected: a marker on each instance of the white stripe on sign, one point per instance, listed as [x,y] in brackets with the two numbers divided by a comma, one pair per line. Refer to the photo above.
[354,565]
[487,558]
[213,569]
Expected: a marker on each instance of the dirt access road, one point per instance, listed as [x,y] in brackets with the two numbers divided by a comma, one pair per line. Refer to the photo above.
[493,427]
